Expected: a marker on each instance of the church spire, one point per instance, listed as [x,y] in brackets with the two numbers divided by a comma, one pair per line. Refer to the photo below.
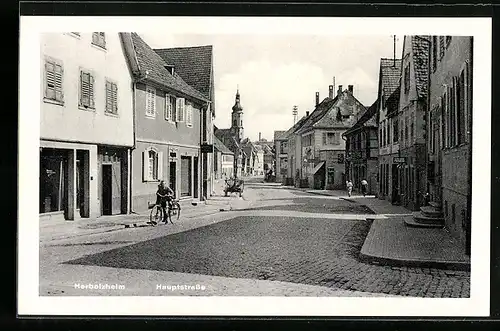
[237,106]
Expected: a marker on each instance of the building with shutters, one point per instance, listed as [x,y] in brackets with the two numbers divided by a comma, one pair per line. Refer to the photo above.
[322,150]
[361,150]
[168,123]
[281,155]
[86,126]
[449,129]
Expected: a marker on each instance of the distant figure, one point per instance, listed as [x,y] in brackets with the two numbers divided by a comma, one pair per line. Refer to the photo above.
[349,187]
[364,187]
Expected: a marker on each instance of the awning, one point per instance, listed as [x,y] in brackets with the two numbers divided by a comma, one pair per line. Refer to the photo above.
[318,166]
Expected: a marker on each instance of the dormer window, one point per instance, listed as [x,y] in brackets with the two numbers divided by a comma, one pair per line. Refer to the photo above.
[170,68]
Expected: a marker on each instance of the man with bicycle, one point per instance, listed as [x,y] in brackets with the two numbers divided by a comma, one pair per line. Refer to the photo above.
[164,195]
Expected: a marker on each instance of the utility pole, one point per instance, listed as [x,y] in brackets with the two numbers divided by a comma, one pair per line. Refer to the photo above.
[394,50]
[295,114]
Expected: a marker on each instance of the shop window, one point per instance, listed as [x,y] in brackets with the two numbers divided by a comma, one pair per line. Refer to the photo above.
[53,169]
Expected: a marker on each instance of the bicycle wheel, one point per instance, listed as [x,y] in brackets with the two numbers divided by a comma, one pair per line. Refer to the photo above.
[156,215]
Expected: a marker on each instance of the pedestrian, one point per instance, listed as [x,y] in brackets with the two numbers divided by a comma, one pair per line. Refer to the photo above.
[349,187]
[364,187]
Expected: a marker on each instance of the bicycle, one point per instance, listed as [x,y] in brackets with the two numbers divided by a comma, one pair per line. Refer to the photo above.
[156,215]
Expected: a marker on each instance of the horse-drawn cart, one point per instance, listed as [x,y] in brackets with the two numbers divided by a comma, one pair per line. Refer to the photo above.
[234,185]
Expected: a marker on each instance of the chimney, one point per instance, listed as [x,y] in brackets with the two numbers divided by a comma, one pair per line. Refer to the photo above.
[317,98]
[350,88]
[260,136]
[339,90]
[307,113]
[330,91]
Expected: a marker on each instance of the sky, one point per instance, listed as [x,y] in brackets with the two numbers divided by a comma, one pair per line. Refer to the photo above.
[276,72]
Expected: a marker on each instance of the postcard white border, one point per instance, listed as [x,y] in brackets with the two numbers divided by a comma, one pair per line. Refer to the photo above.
[30,303]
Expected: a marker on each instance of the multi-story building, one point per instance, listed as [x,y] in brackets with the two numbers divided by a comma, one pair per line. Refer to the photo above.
[168,123]
[281,155]
[223,160]
[449,128]
[86,126]
[259,160]
[412,112]
[362,150]
[195,66]
[294,161]
[322,149]
[388,129]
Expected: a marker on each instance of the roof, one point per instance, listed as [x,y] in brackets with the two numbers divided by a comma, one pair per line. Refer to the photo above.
[318,112]
[193,64]
[390,72]
[258,148]
[420,49]
[219,145]
[279,135]
[367,119]
[392,102]
[149,61]
[227,138]
[295,127]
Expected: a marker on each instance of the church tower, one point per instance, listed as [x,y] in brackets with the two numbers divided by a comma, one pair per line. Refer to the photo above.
[237,118]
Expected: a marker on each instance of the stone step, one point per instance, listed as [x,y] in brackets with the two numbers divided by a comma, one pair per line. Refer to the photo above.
[410,221]
[419,217]
[435,204]
[431,211]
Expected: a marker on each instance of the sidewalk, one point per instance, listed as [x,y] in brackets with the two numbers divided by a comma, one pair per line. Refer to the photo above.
[391,242]
[192,208]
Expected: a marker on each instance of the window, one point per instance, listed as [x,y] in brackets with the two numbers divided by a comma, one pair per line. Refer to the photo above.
[150,101]
[441,47]
[395,130]
[330,138]
[461,108]
[406,128]
[181,105]
[111,98]
[54,80]
[380,136]
[152,165]
[99,39]
[434,53]
[87,90]
[169,108]
[340,158]
[411,131]
[407,78]
[443,121]
[189,115]
[448,41]
[453,108]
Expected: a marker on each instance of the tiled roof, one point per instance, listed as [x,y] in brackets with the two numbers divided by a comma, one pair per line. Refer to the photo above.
[193,64]
[420,49]
[278,135]
[367,119]
[150,61]
[392,102]
[227,138]
[219,145]
[295,127]
[317,113]
[346,105]
[390,72]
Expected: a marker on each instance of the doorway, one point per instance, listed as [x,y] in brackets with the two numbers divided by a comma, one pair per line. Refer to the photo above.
[173,176]
[395,184]
[107,184]
[195,177]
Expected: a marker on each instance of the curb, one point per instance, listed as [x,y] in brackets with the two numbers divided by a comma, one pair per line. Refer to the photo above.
[367,257]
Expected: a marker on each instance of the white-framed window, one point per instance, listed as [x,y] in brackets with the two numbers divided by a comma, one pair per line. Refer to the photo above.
[99,39]
[180,110]
[152,169]
[53,80]
[111,97]
[87,85]
[150,101]
[170,104]
[189,115]
[330,138]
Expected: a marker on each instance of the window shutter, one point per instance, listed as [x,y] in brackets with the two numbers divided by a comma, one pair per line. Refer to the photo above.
[91,91]
[115,97]
[145,166]
[167,107]
[84,89]
[58,75]
[180,109]
[160,165]
[108,97]
[49,80]
[441,47]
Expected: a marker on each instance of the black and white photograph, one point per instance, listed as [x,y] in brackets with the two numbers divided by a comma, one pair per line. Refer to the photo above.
[254,166]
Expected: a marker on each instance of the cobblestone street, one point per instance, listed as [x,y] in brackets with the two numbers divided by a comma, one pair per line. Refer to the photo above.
[314,251]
